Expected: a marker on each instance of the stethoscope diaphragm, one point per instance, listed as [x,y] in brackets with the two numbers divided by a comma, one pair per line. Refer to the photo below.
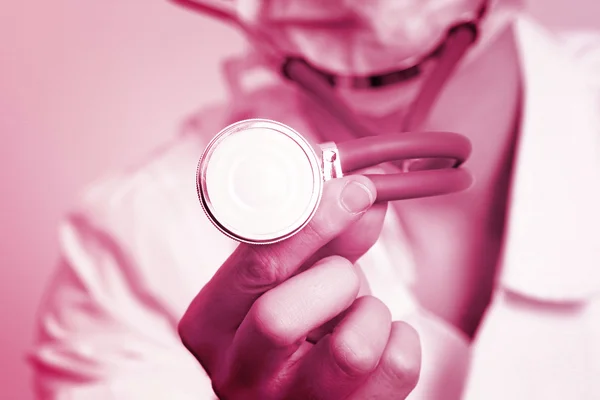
[259,181]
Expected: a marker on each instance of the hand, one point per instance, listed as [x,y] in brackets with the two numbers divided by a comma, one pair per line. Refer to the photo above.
[283,321]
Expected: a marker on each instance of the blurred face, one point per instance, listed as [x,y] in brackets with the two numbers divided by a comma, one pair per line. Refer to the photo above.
[362,38]
[358,37]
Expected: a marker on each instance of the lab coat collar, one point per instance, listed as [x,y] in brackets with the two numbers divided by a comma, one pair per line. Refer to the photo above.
[552,248]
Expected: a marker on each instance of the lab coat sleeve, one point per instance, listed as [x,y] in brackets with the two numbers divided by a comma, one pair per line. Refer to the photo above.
[102,335]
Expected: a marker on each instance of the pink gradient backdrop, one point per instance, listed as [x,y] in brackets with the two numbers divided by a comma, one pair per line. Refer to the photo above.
[85,87]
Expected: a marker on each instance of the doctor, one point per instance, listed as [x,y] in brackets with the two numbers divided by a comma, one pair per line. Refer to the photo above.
[491,293]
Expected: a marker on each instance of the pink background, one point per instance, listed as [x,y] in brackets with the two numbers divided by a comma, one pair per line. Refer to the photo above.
[85,87]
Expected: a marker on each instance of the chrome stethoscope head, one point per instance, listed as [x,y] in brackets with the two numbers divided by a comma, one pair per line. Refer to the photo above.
[259,181]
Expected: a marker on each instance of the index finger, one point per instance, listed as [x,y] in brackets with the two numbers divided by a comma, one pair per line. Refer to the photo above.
[252,270]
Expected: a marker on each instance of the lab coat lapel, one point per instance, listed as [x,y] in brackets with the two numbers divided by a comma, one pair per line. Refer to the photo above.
[553,245]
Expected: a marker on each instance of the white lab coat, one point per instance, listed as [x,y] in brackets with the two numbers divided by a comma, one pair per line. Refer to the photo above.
[138,249]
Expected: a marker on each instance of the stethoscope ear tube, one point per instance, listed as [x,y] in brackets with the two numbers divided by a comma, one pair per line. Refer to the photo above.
[299,71]
[408,147]
[457,43]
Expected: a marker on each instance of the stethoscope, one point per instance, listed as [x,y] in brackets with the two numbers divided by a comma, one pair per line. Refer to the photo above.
[259,181]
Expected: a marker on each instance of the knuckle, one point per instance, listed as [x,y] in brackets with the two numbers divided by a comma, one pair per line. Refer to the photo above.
[330,219]
[375,305]
[377,309]
[224,388]
[230,382]
[271,390]
[341,276]
[320,229]
[270,324]
[203,350]
[402,359]
[184,331]
[402,367]
[260,269]
[220,388]
[353,355]
[348,281]
[343,264]
[190,335]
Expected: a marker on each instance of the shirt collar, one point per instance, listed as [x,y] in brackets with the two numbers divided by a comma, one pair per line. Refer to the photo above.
[552,250]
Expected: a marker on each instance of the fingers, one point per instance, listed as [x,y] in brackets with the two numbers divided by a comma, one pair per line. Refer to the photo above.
[398,371]
[279,321]
[341,361]
[250,271]
[360,236]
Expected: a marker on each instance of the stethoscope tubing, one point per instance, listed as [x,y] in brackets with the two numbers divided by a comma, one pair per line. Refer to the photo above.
[318,88]
[457,43]
[409,147]
[420,184]
[370,149]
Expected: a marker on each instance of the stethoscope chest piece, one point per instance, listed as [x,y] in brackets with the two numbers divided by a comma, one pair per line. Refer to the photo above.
[259,181]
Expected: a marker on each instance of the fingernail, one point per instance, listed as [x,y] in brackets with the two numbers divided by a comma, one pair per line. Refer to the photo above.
[356,197]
